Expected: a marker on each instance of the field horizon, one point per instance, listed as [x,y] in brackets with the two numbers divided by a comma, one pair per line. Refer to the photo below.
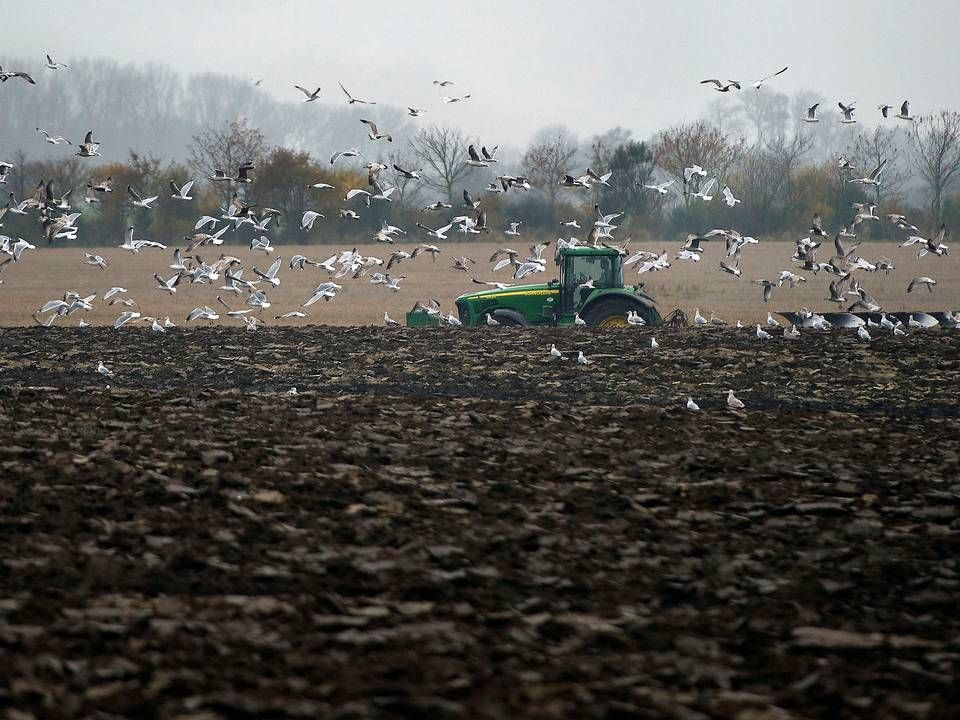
[686,285]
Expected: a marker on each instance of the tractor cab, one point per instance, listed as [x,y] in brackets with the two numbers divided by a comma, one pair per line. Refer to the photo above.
[601,267]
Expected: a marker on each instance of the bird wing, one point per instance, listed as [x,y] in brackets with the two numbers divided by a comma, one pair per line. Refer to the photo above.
[373,126]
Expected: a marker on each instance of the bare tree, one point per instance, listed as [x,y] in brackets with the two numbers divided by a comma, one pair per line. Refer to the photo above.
[870,149]
[225,147]
[766,113]
[936,145]
[766,175]
[549,157]
[696,143]
[407,187]
[443,153]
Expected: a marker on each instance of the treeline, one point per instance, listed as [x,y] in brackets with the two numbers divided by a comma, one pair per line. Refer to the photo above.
[781,169]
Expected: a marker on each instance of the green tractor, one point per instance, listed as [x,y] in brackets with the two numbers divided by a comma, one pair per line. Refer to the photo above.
[606,304]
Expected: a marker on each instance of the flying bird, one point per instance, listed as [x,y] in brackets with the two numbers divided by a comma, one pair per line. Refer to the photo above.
[374,133]
[351,100]
[309,96]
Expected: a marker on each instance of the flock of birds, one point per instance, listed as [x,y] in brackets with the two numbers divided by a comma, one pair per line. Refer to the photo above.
[58,221]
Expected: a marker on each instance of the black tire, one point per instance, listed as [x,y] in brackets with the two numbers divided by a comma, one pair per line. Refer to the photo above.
[612,312]
[508,317]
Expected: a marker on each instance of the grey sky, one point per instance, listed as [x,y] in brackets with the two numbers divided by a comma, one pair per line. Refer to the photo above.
[529,63]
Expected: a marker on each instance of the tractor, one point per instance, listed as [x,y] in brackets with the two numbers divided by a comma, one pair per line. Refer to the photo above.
[557,302]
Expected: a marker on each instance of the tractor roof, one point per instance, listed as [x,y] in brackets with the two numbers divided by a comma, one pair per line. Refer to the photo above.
[586,250]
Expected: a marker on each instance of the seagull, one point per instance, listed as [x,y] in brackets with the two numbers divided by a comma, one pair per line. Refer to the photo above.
[582,359]
[863,334]
[698,318]
[180,193]
[662,188]
[929,282]
[104,370]
[885,110]
[95,260]
[139,200]
[497,285]
[475,160]
[767,288]
[734,270]
[489,320]
[89,147]
[169,286]
[702,192]
[389,321]
[721,86]
[415,112]
[374,133]
[270,276]
[654,344]
[904,113]
[578,321]
[691,405]
[847,111]
[309,217]
[689,172]
[771,321]
[728,197]
[513,229]
[462,263]
[555,353]
[443,83]
[633,318]
[124,318]
[310,96]
[55,65]
[811,116]
[439,234]
[791,333]
[448,100]
[135,245]
[4,76]
[203,313]
[913,323]
[54,139]
[408,174]
[762,334]
[733,401]
[261,243]
[759,83]
[352,152]
[113,291]
[872,179]
[324,291]
[351,100]
[601,179]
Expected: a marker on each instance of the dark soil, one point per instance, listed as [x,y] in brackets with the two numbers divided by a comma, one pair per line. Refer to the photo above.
[448,524]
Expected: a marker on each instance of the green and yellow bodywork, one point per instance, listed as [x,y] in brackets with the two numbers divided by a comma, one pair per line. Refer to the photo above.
[559,301]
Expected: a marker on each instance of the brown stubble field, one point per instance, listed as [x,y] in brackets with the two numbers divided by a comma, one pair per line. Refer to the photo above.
[44,274]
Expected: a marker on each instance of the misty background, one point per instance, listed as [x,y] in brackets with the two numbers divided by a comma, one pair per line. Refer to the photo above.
[589,80]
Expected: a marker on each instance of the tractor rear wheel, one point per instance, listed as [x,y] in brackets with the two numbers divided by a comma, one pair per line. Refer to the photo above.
[612,313]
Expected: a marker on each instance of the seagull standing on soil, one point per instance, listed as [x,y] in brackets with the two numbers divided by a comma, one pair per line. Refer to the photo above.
[733,402]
